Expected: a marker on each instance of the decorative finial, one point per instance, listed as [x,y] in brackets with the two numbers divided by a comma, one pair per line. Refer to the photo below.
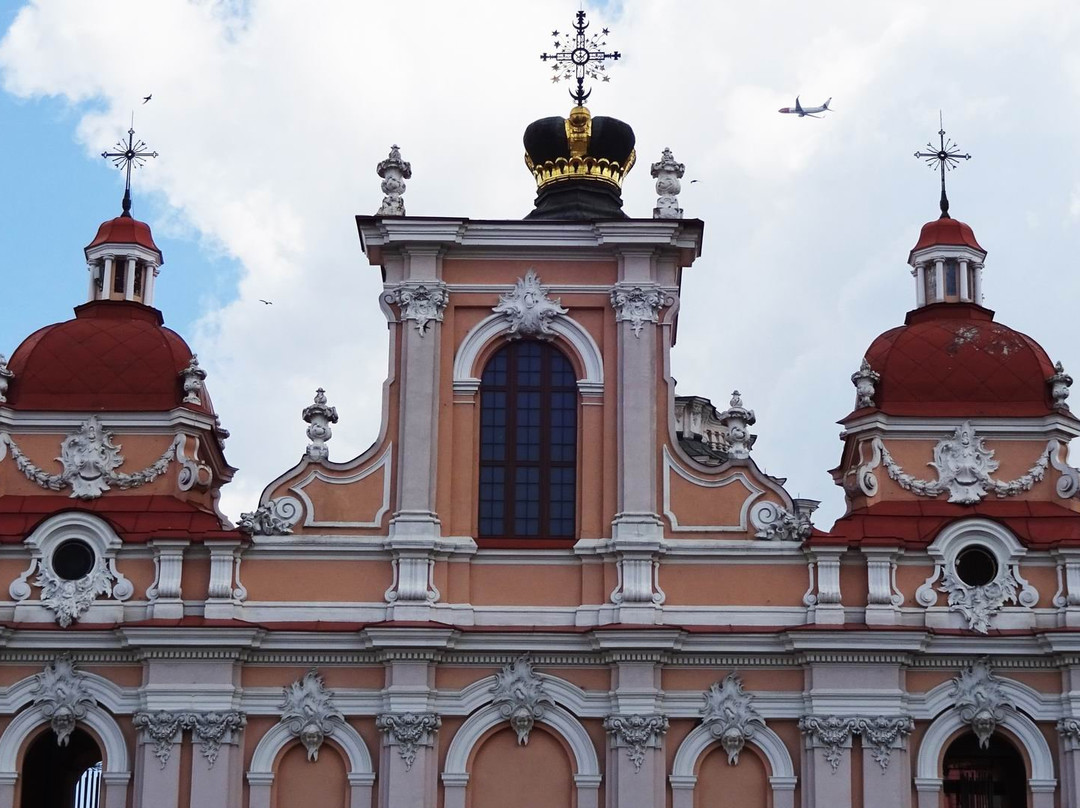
[394,172]
[580,56]
[1060,383]
[134,153]
[5,379]
[667,174]
[865,379]
[736,419]
[319,417]
[947,155]
[193,377]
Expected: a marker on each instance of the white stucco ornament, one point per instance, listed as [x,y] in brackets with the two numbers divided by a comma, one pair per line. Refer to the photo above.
[774,523]
[667,172]
[832,732]
[529,310]
[319,416]
[69,600]
[1059,383]
[192,378]
[394,171]
[730,715]
[637,306]
[637,733]
[736,420]
[519,694]
[409,731]
[423,304]
[980,700]
[865,380]
[162,729]
[979,604]
[274,518]
[5,378]
[61,693]
[881,733]
[308,712]
[90,461]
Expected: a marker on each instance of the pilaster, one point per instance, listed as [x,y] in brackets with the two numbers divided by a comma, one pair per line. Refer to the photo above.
[408,756]
[826,764]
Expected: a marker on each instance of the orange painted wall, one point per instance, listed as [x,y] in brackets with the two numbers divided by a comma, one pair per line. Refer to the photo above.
[542,772]
[742,584]
[298,780]
[721,785]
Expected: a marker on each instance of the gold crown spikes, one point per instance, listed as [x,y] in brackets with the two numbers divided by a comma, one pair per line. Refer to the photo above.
[600,169]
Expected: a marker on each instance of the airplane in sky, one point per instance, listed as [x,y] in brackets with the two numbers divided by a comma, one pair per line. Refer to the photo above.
[802,111]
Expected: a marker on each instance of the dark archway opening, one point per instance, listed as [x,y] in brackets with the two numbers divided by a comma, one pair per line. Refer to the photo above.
[56,776]
[993,777]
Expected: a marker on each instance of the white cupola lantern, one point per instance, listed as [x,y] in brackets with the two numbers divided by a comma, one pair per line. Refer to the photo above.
[947,264]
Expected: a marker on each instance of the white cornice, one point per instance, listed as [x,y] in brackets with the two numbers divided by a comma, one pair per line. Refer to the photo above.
[148,423]
[1061,426]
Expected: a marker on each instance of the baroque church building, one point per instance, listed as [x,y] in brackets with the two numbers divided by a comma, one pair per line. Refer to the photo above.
[553,581]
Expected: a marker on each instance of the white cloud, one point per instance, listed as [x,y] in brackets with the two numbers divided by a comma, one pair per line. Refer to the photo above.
[270,118]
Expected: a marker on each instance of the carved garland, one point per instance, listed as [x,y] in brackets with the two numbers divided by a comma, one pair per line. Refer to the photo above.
[637,733]
[879,733]
[964,466]
[90,460]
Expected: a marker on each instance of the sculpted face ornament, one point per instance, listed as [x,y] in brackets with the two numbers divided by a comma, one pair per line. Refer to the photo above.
[519,694]
[730,715]
[980,700]
[309,713]
[61,693]
[89,458]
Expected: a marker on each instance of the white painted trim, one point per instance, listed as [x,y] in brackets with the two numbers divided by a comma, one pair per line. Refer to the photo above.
[949,723]
[317,473]
[279,736]
[700,739]
[104,726]
[753,494]
[495,325]
[585,759]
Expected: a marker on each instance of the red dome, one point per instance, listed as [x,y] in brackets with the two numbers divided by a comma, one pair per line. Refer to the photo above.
[114,356]
[125,230]
[952,359]
[947,233]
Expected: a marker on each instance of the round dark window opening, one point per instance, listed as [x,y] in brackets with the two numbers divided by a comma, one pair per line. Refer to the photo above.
[73,560]
[976,566]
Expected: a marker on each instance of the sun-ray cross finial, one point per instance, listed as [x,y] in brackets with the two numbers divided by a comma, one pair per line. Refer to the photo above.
[132,153]
[580,56]
[947,155]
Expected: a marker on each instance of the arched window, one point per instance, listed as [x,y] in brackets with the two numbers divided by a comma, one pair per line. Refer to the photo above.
[55,776]
[993,776]
[528,443]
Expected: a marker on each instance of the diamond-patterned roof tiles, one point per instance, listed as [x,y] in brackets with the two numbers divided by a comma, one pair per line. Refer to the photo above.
[114,356]
[952,359]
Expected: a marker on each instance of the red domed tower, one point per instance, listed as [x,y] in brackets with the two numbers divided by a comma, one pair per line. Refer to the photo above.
[955,454]
[111,454]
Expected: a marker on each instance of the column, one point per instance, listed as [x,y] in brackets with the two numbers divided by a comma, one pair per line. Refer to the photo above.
[920,285]
[107,277]
[157,759]
[408,755]
[635,762]
[129,280]
[91,292]
[886,765]
[148,284]
[217,759]
[965,293]
[939,280]
[826,765]
[978,283]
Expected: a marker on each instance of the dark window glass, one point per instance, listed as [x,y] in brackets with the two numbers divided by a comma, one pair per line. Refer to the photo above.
[952,277]
[119,276]
[138,279]
[73,560]
[528,443]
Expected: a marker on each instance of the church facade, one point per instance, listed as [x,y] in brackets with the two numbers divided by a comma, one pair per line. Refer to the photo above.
[553,580]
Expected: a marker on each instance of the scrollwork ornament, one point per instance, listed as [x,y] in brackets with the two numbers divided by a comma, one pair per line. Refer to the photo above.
[308,712]
[1069,728]
[410,731]
[980,700]
[636,306]
[833,732]
[978,604]
[275,518]
[520,697]
[69,600]
[422,304]
[730,715]
[637,733]
[212,729]
[162,728]
[881,733]
[529,310]
[63,697]
[774,523]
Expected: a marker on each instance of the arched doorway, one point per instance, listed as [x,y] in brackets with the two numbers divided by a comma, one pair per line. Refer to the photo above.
[991,777]
[55,776]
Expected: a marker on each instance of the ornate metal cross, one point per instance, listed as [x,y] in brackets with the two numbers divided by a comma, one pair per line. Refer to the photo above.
[580,57]
[947,155]
[134,153]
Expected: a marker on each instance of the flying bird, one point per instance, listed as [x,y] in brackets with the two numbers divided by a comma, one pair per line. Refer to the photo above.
[147,97]
[693,181]
[267,302]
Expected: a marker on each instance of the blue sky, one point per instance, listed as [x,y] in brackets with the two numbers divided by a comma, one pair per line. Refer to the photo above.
[270,124]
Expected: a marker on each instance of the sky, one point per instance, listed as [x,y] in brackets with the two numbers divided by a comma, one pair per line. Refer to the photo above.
[270,117]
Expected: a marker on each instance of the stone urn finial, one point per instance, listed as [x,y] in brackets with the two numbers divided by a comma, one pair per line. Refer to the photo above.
[394,171]
[667,173]
[5,379]
[319,416]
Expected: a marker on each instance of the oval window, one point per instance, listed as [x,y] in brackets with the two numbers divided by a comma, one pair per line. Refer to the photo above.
[73,559]
[976,566]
